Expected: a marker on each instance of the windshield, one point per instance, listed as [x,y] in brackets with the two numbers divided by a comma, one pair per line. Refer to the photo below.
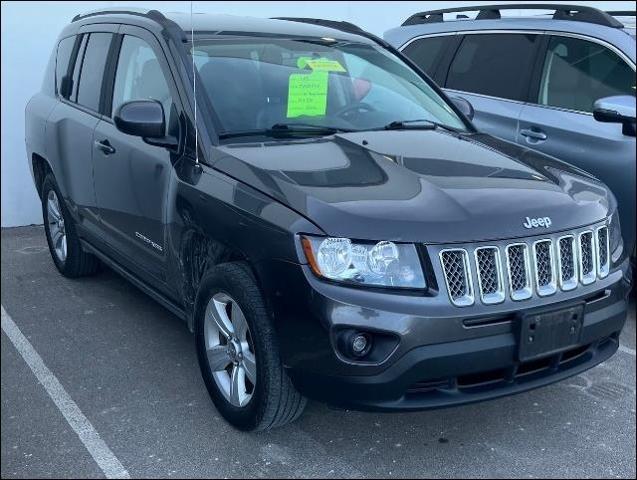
[255,84]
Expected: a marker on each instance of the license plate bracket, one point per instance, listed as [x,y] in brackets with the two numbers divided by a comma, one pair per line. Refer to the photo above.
[547,333]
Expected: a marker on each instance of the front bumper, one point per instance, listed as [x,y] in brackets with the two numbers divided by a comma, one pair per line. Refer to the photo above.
[444,356]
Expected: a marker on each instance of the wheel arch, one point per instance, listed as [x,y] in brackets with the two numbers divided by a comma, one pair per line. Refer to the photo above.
[40,167]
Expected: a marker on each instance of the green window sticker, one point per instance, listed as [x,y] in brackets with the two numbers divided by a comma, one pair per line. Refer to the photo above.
[320,64]
[307,94]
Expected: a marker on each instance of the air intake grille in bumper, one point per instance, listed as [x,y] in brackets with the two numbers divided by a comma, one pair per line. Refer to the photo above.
[520,270]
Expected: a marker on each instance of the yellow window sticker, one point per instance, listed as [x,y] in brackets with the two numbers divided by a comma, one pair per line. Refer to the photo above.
[320,64]
[307,94]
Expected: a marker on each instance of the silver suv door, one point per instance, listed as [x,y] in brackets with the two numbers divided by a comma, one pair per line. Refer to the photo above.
[558,119]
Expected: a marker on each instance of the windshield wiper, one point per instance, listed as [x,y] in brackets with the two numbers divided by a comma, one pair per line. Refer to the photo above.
[286,129]
[419,124]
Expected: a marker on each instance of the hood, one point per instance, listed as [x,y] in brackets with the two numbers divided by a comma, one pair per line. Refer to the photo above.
[419,186]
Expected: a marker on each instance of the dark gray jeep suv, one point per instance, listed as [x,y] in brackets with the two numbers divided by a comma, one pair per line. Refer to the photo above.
[327,222]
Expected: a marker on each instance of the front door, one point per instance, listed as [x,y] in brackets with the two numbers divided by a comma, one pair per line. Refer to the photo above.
[131,176]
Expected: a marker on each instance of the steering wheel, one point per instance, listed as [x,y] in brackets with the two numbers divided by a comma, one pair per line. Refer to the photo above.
[348,111]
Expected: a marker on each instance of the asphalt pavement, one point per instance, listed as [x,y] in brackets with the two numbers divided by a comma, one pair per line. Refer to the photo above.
[129,369]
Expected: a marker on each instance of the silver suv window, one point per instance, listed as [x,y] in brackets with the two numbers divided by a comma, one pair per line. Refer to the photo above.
[495,64]
[577,72]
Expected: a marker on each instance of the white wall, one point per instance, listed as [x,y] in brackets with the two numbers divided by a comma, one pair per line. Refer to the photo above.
[29,30]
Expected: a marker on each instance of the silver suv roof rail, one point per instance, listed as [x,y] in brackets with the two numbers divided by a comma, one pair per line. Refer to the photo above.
[492,12]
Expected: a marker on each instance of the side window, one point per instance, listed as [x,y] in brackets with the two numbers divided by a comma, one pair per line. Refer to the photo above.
[577,72]
[65,50]
[493,64]
[139,76]
[426,52]
[92,74]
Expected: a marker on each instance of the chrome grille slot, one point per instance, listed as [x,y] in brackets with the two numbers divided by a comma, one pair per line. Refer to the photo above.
[518,270]
[602,247]
[490,281]
[455,263]
[586,256]
[567,263]
[545,281]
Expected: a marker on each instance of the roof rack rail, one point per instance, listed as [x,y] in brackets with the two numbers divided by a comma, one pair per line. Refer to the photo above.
[343,26]
[622,13]
[490,12]
[143,12]
[335,24]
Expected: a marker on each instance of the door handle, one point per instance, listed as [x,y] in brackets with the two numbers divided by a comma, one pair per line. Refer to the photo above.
[105,146]
[533,133]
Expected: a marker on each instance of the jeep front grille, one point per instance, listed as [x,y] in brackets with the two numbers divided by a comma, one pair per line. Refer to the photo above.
[602,246]
[521,269]
[455,263]
[586,258]
[545,281]
[518,269]
[567,263]
[490,281]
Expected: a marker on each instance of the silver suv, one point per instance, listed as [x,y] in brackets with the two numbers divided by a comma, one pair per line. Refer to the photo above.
[562,83]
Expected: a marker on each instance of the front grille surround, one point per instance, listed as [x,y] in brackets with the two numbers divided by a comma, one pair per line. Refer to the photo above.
[567,262]
[545,275]
[490,275]
[519,271]
[457,273]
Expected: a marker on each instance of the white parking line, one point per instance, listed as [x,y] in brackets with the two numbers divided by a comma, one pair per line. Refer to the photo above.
[627,350]
[106,460]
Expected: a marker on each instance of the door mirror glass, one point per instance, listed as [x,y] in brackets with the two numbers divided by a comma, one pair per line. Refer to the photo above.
[142,118]
[617,109]
[464,106]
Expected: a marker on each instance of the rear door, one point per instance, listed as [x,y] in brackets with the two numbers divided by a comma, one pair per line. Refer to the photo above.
[558,120]
[71,124]
[131,176]
[492,71]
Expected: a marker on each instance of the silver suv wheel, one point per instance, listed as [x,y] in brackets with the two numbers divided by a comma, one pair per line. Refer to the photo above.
[56,225]
[230,349]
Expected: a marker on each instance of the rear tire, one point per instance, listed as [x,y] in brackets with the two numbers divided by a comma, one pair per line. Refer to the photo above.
[272,401]
[64,244]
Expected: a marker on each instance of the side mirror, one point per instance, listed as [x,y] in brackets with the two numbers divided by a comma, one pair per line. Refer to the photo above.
[464,106]
[141,118]
[617,109]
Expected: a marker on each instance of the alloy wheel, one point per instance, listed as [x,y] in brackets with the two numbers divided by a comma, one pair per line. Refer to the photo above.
[57,229]
[230,350]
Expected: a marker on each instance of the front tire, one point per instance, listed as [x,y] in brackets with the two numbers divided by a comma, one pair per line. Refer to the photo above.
[238,352]
[64,244]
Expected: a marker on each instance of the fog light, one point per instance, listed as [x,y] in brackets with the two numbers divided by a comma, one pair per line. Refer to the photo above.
[361,344]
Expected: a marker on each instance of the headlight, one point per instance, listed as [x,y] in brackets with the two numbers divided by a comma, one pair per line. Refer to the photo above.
[615,237]
[384,264]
